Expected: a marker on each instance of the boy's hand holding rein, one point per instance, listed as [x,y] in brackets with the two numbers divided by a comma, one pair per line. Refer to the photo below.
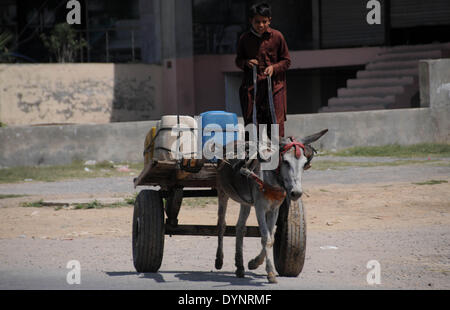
[269,71]
[252,62]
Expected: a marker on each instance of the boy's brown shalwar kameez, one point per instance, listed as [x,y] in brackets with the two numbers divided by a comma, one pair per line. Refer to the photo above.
[269,49]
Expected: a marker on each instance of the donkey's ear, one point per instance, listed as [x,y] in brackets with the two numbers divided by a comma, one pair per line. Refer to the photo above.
[314,137]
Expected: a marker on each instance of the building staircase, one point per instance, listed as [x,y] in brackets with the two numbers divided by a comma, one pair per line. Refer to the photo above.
[389,81]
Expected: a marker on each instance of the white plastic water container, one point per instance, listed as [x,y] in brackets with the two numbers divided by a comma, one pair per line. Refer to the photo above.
[176,138]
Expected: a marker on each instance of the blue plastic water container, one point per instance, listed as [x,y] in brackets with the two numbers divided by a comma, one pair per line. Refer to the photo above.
[214,127]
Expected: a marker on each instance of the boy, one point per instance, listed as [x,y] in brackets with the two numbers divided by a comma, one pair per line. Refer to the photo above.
[266,49]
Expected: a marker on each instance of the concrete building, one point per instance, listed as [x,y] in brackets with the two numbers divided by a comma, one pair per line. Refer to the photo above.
[340,60]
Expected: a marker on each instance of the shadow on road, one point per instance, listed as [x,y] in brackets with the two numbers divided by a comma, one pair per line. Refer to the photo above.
[227,278]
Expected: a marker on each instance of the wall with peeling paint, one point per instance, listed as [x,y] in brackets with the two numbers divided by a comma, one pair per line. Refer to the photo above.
[79,93]
[124,141]
[120,142]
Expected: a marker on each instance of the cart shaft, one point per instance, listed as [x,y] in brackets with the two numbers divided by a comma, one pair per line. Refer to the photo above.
[193,193]
[208,230]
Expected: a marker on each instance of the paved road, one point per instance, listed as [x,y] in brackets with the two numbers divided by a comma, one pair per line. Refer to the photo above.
[413,258]
[350,175]
[416,258]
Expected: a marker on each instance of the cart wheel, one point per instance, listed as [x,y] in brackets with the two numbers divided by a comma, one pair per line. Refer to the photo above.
[290,239]
[148,231]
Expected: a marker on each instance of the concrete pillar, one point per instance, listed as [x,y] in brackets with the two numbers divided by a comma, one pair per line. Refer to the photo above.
[316,87]
[150,21]
[167,29]
[316,24]
[434,80]
[434,83]
[167,39]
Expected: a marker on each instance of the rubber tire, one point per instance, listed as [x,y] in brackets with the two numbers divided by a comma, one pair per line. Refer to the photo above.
[148,231]
[290,239]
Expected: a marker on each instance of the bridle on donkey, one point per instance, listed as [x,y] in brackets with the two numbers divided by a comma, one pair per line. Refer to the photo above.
[308,150]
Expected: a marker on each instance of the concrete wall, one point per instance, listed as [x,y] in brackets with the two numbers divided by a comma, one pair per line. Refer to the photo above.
[27,145]
[103,93]
[53,145]
[368,128]
[124,141]
[79,93]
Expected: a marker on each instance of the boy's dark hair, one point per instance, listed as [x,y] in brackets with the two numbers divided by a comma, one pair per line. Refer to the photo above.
[262,9]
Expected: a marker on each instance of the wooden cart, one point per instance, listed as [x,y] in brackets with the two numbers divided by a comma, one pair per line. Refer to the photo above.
[191,178]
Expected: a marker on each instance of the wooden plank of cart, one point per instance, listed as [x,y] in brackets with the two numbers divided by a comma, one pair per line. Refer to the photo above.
[177,179]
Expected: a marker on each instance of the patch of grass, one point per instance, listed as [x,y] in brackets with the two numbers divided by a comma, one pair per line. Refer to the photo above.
[336,165]
[431,182]
[90,205]
[395,150]
[75,170]
[104,165]
[5,196]
[440,164]
[33,204]
[98,205]
[131,200]
[80,206]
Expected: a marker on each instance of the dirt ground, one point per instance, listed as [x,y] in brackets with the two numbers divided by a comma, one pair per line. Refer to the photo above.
[329,208]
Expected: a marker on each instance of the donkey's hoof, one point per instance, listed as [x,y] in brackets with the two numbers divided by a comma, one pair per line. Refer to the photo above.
[253,264]
[272,278]
[240,272]
[219,263]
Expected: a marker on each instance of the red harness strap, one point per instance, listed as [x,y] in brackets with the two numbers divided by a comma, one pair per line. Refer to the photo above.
[297,145]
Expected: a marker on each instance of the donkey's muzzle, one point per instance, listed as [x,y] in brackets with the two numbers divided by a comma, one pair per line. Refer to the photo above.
[294,195]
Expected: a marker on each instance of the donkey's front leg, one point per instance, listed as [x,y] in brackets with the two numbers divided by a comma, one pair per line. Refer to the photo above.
[271,219]
[221,226]
[266,222]
[265,237]
[240,233]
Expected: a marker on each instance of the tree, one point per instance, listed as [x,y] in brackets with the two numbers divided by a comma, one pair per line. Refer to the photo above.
[5,38]
[62,43]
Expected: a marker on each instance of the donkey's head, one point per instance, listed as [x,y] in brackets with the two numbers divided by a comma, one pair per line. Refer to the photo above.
[296,156]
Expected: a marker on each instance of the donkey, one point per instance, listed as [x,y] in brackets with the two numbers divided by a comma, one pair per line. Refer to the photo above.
[264,189]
